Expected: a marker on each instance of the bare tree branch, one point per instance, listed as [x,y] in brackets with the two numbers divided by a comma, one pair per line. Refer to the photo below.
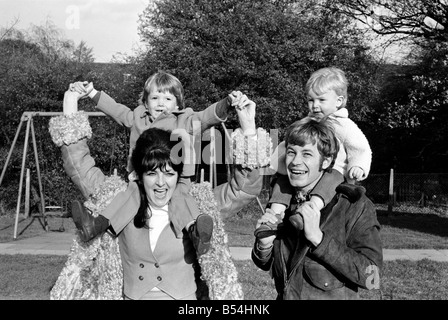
[412,19]
[8,30]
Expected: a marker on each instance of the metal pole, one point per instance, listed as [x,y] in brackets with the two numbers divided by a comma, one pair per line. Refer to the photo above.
[25,147]
[39,179]
[261,206]
[10,150]
[52,114]
[215,172]
[27,193]
[212,152]
[391,191]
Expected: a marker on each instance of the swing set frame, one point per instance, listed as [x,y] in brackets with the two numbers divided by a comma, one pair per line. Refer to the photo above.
[27,117]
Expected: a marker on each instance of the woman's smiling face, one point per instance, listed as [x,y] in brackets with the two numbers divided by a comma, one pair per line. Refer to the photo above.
[159,185]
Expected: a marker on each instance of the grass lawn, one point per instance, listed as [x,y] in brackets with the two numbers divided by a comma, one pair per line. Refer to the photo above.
[404,228]
[31,227]
[30,277]
[400,280]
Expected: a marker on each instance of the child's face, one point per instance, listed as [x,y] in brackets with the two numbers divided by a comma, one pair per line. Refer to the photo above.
[160,102]
[324,104]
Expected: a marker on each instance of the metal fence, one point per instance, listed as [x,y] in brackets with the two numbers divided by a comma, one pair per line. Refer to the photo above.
[421,189]
[425,189]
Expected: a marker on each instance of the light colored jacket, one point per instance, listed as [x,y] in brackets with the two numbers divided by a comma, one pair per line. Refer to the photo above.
[138,120]
[355,150]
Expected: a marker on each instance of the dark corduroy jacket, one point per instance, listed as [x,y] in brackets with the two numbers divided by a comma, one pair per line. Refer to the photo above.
[348,258]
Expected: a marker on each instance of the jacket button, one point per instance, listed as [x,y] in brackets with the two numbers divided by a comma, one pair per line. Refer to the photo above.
[141,265]
[156,265]
[159,278]
[326,284]
[140,278]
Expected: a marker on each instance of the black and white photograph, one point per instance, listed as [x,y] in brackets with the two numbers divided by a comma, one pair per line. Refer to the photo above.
[224,155]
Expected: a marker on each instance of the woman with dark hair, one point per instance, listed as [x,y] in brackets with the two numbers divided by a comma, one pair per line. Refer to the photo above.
[145,260]
[152,162]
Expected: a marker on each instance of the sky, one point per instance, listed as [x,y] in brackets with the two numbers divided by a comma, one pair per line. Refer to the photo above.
[107,26]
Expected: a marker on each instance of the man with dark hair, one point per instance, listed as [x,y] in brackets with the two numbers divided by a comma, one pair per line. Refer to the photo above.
[338,250]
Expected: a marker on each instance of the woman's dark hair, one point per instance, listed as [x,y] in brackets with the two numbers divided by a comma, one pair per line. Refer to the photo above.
[152,151]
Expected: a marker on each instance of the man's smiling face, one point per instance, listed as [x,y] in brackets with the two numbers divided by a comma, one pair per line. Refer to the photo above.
[304,165]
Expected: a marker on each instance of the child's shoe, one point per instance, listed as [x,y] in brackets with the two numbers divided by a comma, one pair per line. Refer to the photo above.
[297,221]
[87,225]
[268,229]
[201,233]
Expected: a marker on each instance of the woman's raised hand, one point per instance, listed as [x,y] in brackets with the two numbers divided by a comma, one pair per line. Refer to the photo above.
[245,109]
[70,103]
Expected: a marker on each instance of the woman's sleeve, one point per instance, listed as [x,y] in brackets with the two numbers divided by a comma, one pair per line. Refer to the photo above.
[232,196]
[250,155]
[80,167]
[70,132]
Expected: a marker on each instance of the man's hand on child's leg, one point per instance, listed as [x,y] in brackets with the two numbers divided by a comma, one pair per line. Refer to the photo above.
[296,219]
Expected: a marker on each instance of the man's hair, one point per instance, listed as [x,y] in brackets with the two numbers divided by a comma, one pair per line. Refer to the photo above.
[321,133]
[153,150]
[164,81]
[326,79]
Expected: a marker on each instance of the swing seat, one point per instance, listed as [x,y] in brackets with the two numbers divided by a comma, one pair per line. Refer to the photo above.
[54,211]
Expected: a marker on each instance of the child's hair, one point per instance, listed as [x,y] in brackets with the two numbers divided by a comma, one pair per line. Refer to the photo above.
[309,130]
[164,81]
[326,79]
[153,150]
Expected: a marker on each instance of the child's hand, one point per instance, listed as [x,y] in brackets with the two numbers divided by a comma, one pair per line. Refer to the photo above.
[269,217]
[82,87]
[234,98]
[89,87]
[355,173]
[73,93]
